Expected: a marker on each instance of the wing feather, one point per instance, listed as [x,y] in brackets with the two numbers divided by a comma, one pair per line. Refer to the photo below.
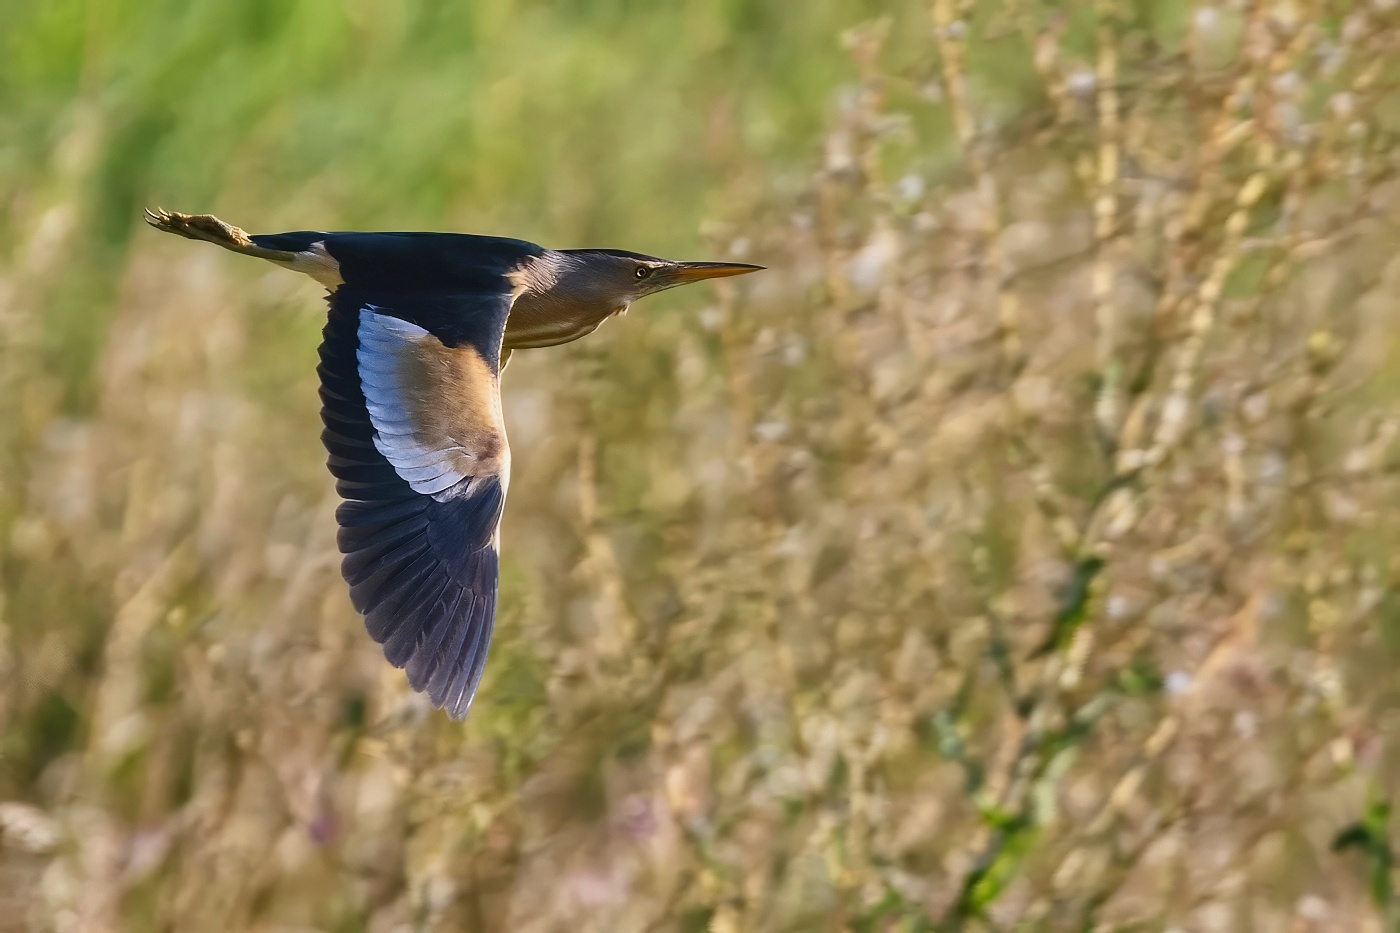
[415,439]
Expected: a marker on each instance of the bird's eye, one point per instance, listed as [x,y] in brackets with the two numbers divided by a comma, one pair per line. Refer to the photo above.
[643,271]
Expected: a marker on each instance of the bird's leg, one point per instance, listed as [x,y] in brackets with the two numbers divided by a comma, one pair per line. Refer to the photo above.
[211,229]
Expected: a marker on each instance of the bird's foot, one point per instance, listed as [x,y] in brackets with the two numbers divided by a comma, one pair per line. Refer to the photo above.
[200,227]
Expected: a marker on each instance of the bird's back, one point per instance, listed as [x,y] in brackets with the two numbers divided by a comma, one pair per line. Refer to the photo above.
[412,261]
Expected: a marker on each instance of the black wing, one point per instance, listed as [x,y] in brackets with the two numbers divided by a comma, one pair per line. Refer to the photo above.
[411,405]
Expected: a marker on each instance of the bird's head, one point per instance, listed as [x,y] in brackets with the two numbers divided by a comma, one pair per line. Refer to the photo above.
[616,278]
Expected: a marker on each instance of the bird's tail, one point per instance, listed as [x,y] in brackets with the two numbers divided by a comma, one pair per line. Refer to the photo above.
[211,229]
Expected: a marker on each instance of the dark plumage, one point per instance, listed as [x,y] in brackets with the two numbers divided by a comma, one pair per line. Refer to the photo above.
[420,326]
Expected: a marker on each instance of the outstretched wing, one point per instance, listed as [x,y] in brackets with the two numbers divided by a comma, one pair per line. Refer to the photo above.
[412,411]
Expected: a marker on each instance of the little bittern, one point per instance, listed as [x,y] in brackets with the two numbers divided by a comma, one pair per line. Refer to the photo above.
[420,326]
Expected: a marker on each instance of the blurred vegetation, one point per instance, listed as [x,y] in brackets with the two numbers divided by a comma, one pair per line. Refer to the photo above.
[1016,553]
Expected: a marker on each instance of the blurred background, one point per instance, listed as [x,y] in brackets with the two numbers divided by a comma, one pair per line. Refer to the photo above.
[1018,552]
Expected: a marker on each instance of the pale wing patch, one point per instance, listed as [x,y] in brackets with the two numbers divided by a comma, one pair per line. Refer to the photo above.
[436,410]
[318,263]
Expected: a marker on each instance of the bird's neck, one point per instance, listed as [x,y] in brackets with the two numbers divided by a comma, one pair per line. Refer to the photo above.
[555,303]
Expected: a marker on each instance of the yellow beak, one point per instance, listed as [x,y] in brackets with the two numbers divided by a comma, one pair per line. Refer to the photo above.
[684,273]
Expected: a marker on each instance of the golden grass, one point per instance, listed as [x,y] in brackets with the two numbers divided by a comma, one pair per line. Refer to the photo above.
[1016,553]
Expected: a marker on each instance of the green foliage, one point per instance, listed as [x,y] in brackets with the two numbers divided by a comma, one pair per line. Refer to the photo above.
[1372,837]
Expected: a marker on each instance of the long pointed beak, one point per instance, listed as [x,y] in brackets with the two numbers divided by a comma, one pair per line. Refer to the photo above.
[686,272]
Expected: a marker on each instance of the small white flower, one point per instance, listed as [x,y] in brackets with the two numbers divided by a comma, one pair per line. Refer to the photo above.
[1082,83]
[1178,682]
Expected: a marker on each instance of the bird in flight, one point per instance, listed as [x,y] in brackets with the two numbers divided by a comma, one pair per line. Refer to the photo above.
[419,329]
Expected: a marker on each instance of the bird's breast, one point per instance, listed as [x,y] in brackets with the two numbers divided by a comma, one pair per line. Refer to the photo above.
[531,335]
[534,323]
